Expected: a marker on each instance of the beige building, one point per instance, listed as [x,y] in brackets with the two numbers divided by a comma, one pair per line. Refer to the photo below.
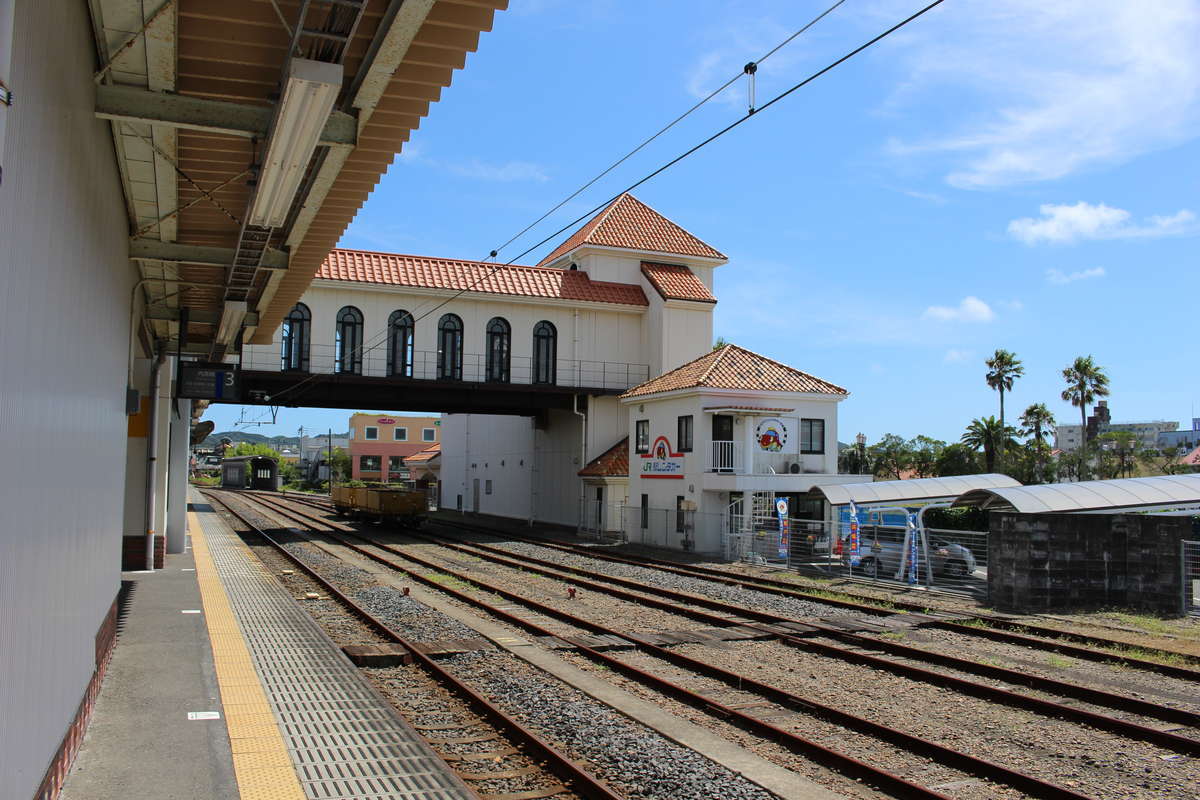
[379,443]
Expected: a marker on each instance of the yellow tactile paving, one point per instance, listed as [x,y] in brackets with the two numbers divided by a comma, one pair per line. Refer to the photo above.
[261,763]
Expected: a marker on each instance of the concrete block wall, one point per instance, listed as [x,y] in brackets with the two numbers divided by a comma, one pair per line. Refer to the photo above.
[1081,562]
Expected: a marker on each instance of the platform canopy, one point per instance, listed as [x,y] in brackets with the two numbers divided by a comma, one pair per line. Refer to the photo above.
[919,490]
[1163,492]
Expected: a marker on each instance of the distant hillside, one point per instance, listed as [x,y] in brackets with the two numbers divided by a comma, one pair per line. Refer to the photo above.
[274,442]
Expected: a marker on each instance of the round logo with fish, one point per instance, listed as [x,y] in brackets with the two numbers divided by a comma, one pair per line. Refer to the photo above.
[771,434]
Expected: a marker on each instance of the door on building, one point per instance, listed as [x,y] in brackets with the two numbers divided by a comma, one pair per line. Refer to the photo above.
[599,508]
[475,495]
[722,443]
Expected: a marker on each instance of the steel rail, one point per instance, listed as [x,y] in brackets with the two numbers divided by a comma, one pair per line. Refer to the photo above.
[1132,730]
[846,764]
[1005,631]
[1096,696]
[577,778]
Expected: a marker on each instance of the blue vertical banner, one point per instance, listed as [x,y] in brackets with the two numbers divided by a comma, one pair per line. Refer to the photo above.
[855,538]
[781,508]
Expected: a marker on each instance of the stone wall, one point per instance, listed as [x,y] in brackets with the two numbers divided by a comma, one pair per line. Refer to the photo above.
[1080,562]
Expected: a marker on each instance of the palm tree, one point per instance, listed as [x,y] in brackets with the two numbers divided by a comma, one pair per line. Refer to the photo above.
[1036,419]
[1003,368]
[988,435]
[1085,382]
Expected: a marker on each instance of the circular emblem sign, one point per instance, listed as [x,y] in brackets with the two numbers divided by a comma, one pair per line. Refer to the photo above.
[771,435]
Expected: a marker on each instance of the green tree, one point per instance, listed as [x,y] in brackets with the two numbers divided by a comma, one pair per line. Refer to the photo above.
[251,449]
[925,453]
[720,342]
[339,465]
[986,434]
[1085,382]
[956,459]
[1036,421]
[891,456]
[853,459]
[1003,368]
[1119,453]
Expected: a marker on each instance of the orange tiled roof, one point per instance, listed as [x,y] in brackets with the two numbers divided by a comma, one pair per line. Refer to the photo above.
[424,456]
[613,463]
[363,266]
[749,408]
[631,224]
[676,282]
[1192,458]
[733,367]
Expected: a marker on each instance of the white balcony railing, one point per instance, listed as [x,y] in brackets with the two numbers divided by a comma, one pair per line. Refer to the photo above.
[729,457]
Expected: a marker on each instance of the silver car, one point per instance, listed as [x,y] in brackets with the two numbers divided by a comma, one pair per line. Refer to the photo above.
[881,556]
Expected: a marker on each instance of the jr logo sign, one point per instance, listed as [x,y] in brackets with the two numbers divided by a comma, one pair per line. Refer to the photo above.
[661,462]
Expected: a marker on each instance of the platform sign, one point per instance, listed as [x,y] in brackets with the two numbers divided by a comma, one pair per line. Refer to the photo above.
[781,508]
[208,382]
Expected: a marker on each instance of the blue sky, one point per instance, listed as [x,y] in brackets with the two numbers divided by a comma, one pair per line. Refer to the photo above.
[1019,175]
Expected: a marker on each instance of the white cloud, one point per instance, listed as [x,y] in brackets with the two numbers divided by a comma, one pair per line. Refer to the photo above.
[971,309]
[1011,305]
[1063,224]
[954,356]
[1060,278]
[1041,90]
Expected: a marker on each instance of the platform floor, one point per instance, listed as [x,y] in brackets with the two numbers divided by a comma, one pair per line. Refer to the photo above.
[296,720]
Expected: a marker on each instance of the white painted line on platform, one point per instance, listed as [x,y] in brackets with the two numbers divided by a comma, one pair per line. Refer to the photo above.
[141,571]
[204,715]
[187,569]
[190,611]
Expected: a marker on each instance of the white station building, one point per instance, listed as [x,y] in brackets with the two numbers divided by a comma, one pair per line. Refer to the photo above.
[603,346]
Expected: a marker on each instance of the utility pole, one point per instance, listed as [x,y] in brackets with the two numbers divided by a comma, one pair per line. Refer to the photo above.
[329,461]
[300,447]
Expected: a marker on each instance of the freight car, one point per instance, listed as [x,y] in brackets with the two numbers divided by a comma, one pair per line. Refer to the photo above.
[403,507]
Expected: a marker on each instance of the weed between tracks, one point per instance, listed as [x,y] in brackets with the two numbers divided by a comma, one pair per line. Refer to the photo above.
[449,581]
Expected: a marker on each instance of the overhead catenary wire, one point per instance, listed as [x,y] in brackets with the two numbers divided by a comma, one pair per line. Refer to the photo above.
[667,127]
[649,176]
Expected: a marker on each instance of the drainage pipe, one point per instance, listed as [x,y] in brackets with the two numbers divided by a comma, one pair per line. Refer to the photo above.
[582,457]
[152,458]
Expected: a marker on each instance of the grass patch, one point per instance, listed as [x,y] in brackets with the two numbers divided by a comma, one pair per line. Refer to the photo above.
[449,581]
[893,635]
[1144,622]
[1058,662]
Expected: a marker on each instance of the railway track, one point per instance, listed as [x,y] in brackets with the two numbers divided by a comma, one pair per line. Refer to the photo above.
[463,704]
[969,764]
[989,626]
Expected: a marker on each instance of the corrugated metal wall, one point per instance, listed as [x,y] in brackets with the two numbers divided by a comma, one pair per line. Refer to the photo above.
[64,295]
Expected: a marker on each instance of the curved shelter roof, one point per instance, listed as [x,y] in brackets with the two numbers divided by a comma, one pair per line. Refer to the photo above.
[1161,491]
[917,490]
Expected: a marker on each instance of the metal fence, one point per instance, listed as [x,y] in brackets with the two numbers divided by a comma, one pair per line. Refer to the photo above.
[1191,577]
[934,559]
[424,365]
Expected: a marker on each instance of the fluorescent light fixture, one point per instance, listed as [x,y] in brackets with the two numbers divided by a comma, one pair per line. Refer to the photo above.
[308,97]
[231,321]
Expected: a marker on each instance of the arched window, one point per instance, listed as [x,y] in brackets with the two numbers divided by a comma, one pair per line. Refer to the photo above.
[400,344]
[545,352]
[348,340]
[450,348]
[294,350]
[499,350]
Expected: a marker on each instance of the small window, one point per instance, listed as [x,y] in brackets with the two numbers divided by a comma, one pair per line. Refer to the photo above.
[487,487]
[679,514]
[370,432]
[394,463]
[645,511]
[400,434]
[812,436]
[684,433]
[642,436]
[369,463]
[428,435]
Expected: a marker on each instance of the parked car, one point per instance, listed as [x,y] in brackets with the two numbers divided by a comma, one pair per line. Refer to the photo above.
[881,556]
